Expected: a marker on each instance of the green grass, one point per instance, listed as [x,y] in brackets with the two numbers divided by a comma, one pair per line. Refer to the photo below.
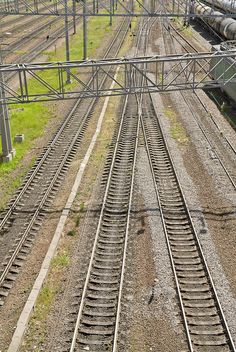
[28,120]
[176,129]
[82,207]
[44,302]
[61,260]
[71,233]
[31,119]
[38,326]
[77,221]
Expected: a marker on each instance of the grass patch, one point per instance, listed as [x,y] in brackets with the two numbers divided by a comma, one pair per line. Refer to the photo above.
[71,233]
[82,207]
[44,301]
[31,119]
[77,221]
[129,38]
[177,131]
[61,260]
[187,31]
[38,329]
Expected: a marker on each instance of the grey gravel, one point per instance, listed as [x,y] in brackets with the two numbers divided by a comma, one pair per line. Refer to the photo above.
[164,285]
[190,192]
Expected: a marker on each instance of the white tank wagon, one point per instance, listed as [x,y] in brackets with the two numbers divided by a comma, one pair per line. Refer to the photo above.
[226,5]
[223,25]
[225,68]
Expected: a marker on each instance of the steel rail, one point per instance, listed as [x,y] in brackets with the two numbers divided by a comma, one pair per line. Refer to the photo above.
[168,244]
[167,241]
[175,183]
[124,250]
[53,142]
[40,6]
[200,124]
[43,200]
[31,36]
[9,21]
[115,340]
[60,167]
[217,126]
[201,255]
[34,51]
[76,329]
[146,27]
[18,25]
[200,101]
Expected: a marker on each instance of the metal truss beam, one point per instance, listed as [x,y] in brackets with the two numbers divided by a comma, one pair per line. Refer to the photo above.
[160,73]
[175,8]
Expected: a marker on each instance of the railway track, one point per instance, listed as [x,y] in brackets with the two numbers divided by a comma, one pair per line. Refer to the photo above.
[35,50]
[39,47]
[17,28]
[203,318]
[25,212]
[98,316]
[96,327]
[16,20]
[39,25]
[205,324]
[32,36]
[214,140]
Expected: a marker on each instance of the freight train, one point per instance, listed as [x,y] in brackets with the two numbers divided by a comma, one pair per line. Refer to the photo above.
[224,25]
[226,5]
[226,68]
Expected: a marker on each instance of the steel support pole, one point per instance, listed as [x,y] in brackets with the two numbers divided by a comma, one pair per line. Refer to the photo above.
[74,16]
[173,6]
[84,30]
[187,10]
[7,149]
[67,41]
[94,6]
[152,9]
[111,9]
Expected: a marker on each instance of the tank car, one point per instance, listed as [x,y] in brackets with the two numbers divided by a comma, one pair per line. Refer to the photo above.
[225,69]
[226,5]
[223,25]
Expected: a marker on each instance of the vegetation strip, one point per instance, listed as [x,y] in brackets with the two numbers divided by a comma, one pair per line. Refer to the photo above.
[26,313]
[31,119]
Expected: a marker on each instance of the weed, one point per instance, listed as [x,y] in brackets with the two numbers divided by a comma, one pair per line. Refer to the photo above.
[44,301]
[223,107]
[176,129]
[31,119]
[77,221]
[82,207]
[61,260]
[71,233]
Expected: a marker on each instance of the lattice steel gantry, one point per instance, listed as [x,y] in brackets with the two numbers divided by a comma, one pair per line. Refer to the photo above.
[163,77]
[175,8]
[160,73]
